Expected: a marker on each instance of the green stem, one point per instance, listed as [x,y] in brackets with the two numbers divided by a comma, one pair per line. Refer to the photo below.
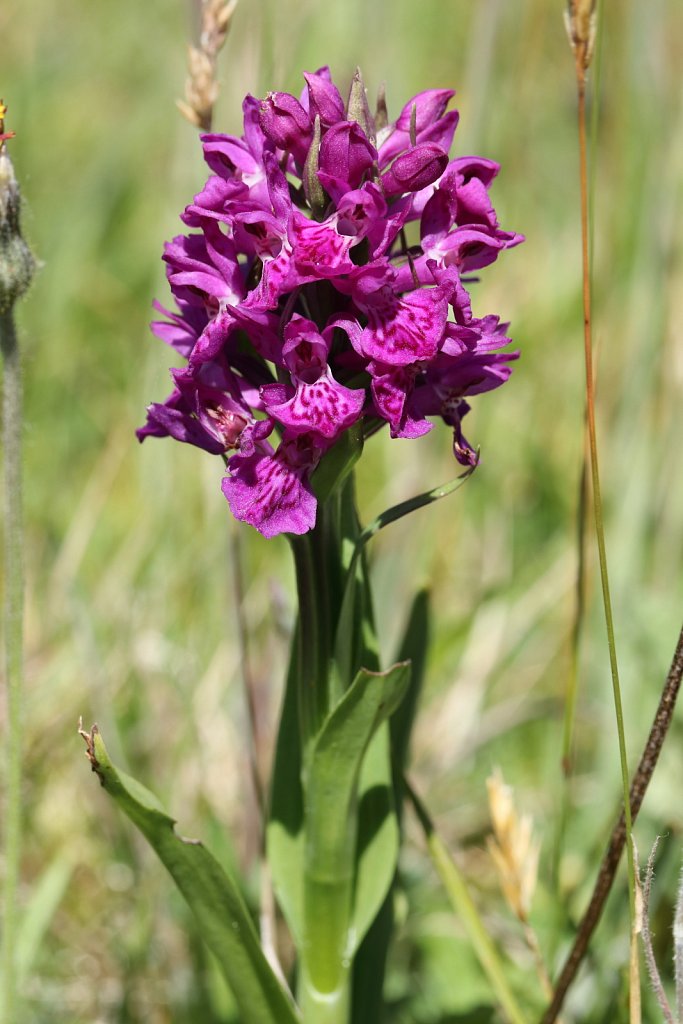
[324,1008]
[325,962]
[595,480]
[14,600]
[311,682]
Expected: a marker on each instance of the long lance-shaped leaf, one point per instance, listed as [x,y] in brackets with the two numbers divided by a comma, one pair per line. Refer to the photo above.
[212,895]
[285,831]
[330,840]
[343,655]
[391,515]
[370,962]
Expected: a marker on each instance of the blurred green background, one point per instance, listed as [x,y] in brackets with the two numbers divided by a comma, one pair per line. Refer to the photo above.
[131,609]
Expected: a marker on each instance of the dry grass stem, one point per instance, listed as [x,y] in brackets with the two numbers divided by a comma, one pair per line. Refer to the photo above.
[201,86]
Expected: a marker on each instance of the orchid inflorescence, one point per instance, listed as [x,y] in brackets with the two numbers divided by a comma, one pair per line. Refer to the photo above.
[303,308]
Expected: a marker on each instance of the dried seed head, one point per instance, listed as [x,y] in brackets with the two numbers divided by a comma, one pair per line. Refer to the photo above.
[580,21]
[16,260]
[513,850]
[201,87]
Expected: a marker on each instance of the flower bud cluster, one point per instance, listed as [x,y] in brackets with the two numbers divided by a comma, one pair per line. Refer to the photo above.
[16,261]
[322,286]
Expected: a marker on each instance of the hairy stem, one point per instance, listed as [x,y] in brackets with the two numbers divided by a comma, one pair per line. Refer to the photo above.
[13,622]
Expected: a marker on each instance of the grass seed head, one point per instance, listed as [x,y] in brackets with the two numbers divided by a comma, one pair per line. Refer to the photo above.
[201,85]
[512,847]
[580,20]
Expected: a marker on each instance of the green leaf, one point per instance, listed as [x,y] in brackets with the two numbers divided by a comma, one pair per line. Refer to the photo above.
[414,647]
[350,771]
[42,906]
[212,895]
[285,832]
[339,750]
[378,834]
[369,966]
[337,463]
[396,512]
[355,598]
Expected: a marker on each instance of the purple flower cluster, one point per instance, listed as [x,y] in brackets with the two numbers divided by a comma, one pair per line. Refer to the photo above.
[322,285]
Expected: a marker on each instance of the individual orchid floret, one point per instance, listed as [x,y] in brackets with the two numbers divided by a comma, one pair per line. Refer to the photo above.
[324,98]
[201,265]
[414,170]
[401,329]
[346,157]
[285,122]
[269,489]
[306,305]
[315,402]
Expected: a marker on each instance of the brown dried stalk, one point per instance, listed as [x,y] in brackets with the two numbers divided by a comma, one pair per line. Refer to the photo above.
[641,781]
[201,86]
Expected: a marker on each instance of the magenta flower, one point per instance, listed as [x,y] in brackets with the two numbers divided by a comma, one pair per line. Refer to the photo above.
[302,308]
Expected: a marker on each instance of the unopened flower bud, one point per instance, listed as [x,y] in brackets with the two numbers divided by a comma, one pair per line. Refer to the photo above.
[357,108]
[416,169]
[16,261]
[324,99]
[313,190]
[285,122]
[346,154]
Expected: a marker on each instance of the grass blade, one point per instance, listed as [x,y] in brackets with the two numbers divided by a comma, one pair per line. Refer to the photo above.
[464,907]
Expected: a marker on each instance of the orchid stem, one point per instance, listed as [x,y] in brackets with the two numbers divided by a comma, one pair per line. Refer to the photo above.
[312,696]
[325,965]
[13,615]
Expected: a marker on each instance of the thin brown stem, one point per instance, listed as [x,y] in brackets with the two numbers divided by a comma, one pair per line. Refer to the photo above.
[641,781]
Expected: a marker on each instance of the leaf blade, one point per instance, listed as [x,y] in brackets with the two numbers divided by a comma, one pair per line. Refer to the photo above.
[210,892]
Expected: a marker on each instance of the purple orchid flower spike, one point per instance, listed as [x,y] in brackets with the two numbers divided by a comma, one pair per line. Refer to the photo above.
[299,298]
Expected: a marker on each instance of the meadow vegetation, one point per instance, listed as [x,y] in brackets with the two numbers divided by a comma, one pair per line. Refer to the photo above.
[131,616]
